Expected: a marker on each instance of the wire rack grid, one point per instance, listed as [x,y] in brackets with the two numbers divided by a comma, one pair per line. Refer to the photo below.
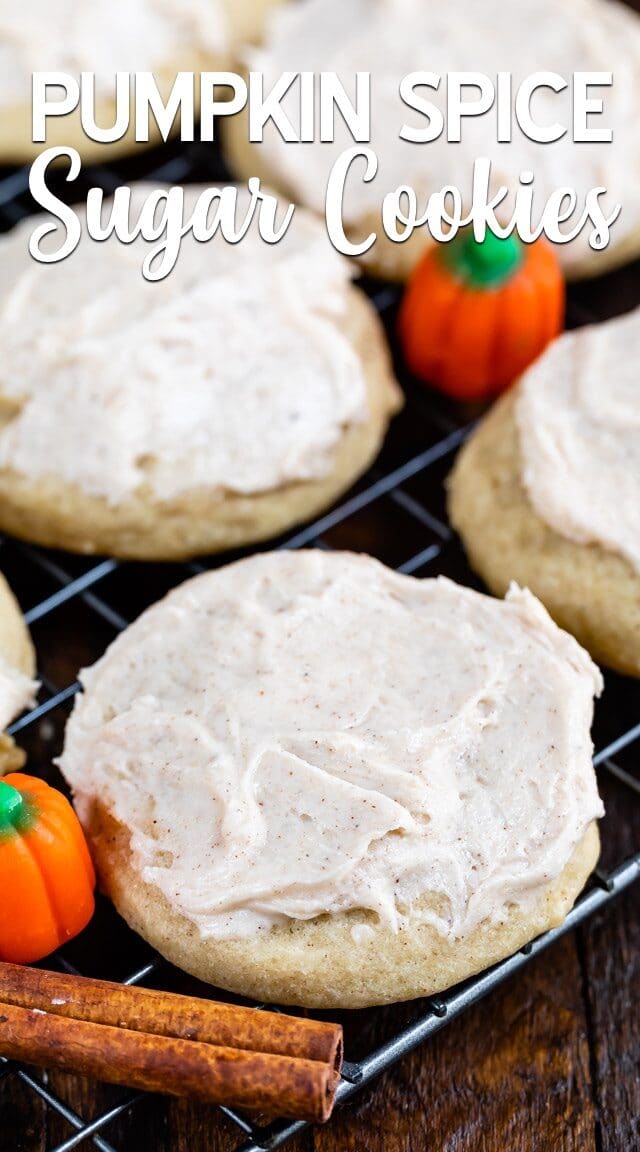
[396,512]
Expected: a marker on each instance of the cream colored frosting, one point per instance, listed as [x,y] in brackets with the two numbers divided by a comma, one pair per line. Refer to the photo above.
[103,36]
[578,416]
[17,692]
[233,372]
[392,38]
[303,733]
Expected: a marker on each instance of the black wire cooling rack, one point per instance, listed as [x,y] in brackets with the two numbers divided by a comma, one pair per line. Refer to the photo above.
[397,512]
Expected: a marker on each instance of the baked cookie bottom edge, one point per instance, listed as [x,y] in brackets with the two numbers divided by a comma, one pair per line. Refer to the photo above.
[317,963]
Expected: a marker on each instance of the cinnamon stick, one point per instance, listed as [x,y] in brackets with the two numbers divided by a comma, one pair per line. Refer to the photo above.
[169,1014]
[257,1081]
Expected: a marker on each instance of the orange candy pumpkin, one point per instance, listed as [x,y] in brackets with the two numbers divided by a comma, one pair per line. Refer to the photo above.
[47,875]
[476,314]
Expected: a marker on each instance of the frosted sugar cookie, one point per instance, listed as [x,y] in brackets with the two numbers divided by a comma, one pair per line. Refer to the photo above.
[107,36]
[17,667]
[392,39]
[217,407]
[312,780]
[547,491]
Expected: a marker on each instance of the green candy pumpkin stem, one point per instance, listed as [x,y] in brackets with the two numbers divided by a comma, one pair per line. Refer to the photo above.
[482,264]
[16,810]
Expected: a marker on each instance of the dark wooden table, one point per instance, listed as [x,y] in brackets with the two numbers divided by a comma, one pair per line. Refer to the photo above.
[548,1063]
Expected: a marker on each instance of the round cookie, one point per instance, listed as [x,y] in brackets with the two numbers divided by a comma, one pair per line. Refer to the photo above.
[17,668]
[390,38]
[101,37]
[590,591]
[311,780]
[221,406]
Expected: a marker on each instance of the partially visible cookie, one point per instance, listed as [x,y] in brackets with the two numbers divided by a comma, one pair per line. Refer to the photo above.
[391,40]
[159,36]
[309,779]
[589,589]
[17,668]
[240,395]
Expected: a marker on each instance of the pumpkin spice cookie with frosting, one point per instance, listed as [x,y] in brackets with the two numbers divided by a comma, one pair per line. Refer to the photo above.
[220,406]
[312,780]
[392,39]
[108,36]
[17,669]
[547,490]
